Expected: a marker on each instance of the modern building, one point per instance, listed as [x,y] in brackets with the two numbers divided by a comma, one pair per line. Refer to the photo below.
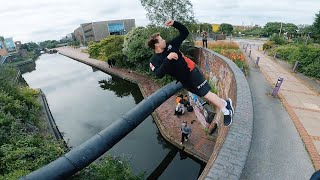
[3,50]
[10,45]
[97,31]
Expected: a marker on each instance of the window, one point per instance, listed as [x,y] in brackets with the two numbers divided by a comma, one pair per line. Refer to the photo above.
[10,44]
[116,28]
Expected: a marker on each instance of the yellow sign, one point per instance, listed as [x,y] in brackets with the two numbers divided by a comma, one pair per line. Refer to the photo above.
[215,27]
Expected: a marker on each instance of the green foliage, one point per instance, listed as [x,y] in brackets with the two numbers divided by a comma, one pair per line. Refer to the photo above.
[30,46]
[111,48]
[272,28]
[316,24]
[308,57]
[108,168]
[290,29]
[94,49]
[205,27]
[135,48]
[160,11]
[24,146]
[49,44]
[279,40]
[256,31]
[267,45]
[226,28]
[74,43]
[165,80]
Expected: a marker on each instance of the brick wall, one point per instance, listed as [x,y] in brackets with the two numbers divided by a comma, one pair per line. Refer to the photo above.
[233,144]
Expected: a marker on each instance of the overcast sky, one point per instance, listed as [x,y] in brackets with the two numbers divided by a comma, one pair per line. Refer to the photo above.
[38,20]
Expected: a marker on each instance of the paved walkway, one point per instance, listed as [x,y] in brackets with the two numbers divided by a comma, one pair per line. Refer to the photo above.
[277,151]
[199,145]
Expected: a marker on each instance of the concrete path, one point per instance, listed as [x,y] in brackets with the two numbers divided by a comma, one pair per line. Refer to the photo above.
[277,151]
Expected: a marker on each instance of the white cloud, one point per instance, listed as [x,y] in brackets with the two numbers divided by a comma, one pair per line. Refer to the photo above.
[38,20]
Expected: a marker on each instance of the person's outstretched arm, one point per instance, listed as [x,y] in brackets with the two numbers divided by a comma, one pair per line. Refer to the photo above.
[183,32]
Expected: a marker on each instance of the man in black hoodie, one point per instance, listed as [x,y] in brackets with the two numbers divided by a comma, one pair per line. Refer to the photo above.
[169,60]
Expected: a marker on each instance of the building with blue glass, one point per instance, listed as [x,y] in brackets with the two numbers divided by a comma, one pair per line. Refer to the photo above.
[96,31]
[10,45]
[3,50]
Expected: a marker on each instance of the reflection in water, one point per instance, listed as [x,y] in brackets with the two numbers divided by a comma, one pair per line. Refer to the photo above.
[27,67]
[121,88]
[163,165]
[94,69]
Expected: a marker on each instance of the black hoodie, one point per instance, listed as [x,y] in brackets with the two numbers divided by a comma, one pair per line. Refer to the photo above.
[161,65]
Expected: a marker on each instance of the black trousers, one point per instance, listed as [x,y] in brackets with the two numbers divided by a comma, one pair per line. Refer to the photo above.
[205,43]
[183,136]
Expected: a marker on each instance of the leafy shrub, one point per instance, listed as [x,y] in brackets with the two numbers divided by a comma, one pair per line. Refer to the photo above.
[280,40]
[94,49]
[268,45]
[307,55]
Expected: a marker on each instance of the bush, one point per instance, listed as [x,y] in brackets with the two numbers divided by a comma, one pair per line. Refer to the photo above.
[308,57]
[111,45]
[135,48]
[279,40]
[268,45]
[287,52]
[94,49]
[24,146]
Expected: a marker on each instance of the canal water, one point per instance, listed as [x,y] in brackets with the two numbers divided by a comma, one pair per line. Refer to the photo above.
[84,101]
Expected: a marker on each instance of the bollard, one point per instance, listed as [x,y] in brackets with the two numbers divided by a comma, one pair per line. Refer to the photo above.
[275,56]
[246,49]
[258,48]
[277,87]
[257,61]
[295,66]
[250,53]
[264,52]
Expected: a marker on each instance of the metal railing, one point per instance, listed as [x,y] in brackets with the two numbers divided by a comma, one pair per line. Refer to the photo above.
[81,156]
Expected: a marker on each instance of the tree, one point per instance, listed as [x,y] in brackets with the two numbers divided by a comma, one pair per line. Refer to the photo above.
[158,11]
[111,45]
[205,27]
[316,24]
[226,28]
[271,28]
[134,47]
[291,29]
[49,44]
[30,46]
[256,31]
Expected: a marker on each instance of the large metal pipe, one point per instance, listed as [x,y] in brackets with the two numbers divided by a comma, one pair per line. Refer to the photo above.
[81,156]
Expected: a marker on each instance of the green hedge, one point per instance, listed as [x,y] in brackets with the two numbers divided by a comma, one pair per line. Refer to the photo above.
[307,55]
[25,144]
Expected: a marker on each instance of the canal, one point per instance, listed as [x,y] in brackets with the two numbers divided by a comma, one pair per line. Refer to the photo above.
[84,101]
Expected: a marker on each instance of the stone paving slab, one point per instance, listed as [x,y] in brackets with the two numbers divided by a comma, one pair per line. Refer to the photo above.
[309,121]
[301,102]
[200,145]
